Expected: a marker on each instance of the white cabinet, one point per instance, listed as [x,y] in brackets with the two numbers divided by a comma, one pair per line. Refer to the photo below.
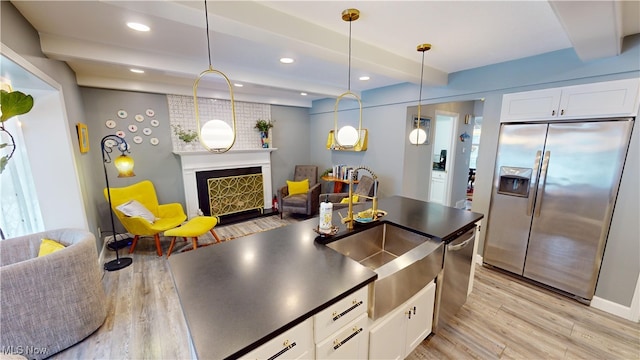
[438,188]
[350,342]
[603,99]
[295,343]
[398,333]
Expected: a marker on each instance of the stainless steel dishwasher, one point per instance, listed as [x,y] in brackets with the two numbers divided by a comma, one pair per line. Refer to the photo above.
[458,259]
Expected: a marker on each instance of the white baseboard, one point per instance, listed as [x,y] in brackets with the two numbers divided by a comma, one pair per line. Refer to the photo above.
[631,312]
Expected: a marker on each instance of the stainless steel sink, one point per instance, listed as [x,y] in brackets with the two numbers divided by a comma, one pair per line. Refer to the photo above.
[404,261]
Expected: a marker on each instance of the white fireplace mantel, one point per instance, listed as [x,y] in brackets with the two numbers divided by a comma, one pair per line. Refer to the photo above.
[194,161]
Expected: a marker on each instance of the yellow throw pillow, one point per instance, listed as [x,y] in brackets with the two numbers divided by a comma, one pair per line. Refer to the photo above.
[48,246]
[298,187]
[354,198]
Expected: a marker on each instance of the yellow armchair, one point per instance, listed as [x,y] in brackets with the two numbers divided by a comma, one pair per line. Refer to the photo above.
[168,216]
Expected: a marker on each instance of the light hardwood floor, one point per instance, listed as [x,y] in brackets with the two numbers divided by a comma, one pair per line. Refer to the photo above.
[504,318]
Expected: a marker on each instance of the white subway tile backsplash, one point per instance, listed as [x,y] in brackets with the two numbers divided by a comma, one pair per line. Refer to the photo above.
[182,112]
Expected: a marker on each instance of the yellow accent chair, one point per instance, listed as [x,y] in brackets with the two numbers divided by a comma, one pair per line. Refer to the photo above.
[168,216]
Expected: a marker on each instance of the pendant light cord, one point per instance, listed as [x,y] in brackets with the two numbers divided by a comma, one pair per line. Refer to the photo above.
[421,76]
[206,16]
[349,73]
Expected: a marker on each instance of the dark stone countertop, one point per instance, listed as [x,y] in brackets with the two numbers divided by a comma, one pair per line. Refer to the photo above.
[238,295]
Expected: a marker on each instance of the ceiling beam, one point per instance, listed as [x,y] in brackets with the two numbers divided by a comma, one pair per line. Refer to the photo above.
[593,27]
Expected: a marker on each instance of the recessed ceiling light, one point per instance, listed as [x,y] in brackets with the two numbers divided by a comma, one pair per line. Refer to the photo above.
[286,60]
[137,71]
[138,27]
[238,85]
[303,93]
[364,78]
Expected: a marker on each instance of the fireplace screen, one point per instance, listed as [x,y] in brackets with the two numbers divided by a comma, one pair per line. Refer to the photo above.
[233,194]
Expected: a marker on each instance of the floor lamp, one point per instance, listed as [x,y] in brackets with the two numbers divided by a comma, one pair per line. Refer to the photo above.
[124,164]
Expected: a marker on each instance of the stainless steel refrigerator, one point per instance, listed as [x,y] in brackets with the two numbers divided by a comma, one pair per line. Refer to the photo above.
[554,190]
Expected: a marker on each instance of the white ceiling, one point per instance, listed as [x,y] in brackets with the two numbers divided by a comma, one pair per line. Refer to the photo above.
[249,37]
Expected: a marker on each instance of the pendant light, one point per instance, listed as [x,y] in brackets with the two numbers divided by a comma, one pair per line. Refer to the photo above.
[347,136]
[215,135]
[418,136]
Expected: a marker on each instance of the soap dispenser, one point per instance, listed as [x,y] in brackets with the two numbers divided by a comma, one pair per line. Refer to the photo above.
[326,211]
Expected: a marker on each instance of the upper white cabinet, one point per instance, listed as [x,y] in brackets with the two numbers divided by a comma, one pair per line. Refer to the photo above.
[603,99]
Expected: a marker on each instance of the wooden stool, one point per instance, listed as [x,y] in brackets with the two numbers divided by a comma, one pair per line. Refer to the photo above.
[195,227]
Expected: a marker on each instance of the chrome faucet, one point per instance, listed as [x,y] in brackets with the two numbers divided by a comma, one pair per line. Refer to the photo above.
[374,208]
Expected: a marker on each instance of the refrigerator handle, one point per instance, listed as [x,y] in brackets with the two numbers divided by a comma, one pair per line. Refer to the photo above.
[533,184]
[543,182]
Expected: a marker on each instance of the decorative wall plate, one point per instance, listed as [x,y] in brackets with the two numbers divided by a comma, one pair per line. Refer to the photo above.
[133,128]
[154,141]
[150,112]
[154,123]
[110,143]
[137,139]
[147,131]
[110,124]
[139,118]
[122,114]
[120,133]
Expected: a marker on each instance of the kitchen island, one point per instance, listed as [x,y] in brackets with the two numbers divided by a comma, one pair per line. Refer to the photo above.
[241,294]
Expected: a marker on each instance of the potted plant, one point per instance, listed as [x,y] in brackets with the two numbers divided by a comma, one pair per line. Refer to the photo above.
[11,103]
[185,135]
[263,127]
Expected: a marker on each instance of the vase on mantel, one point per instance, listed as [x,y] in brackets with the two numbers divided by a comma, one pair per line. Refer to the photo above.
[264,138]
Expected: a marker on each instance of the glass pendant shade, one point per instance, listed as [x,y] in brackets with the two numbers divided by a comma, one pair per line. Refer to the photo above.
[417,136]
[217,134]
[347,136]
[124,164]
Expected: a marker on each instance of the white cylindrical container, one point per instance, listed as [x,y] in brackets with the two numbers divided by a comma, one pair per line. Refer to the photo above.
[326,211]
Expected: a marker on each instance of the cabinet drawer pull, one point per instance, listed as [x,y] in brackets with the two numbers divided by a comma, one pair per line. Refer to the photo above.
[562,112]
[356,331]
[338,316]
[286,348]
[553,113]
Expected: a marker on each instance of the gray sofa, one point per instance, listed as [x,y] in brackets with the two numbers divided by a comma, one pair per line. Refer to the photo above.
[52,302]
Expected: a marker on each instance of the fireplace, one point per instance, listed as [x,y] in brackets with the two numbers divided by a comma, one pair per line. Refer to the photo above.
[230,191]
[253,162]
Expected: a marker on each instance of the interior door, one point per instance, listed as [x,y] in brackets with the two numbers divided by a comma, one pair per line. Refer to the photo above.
[520,147]
[574,204]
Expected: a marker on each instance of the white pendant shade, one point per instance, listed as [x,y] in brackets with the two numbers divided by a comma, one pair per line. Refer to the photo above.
[347,136]
[216,134]
[417,136]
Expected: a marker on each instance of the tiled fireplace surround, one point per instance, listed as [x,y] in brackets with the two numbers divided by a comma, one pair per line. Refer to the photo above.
[246,152]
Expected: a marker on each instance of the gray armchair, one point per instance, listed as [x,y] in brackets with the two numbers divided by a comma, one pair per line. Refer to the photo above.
[365,187]
[52,302]
[301,203]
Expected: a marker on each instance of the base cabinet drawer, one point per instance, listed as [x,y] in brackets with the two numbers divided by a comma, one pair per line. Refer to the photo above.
[340,314]
[295,343]
[350,342]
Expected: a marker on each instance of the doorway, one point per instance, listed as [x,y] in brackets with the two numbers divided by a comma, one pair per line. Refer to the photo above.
[444,150]
[451,128]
